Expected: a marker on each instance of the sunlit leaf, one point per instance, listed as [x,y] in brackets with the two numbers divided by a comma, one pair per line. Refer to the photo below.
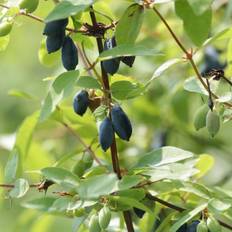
[21,187]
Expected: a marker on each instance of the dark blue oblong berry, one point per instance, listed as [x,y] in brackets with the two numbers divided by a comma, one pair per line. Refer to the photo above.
[139,212]
[121,123]
[81,102]
[56,26]
[128,60]
[193,226]
[69,54]
[211,61]
[55,42]
[111,66]
[183,228]
[106,134]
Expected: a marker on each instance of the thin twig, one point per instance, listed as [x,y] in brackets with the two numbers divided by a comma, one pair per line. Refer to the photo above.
[227,80]
[188,55]
[12,185]
[88,148]
[84,60]
[91,66]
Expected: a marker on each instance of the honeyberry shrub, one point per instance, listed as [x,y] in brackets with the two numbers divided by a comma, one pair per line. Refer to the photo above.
[136,112]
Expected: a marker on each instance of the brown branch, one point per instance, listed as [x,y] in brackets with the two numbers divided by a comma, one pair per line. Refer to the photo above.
[180,209]
[12,185]
[227,80]
[113,148]
[88,148]
[188,55]
[165,203]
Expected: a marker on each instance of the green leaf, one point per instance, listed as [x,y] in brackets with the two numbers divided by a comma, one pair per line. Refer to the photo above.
[199,120]
[202,227]
[162,156]
[96,186]
[60,205]
[129,25]
[21,187]
[213,122]
[200,6]
[128,182]
[24,134]
[196,189]
[165,222]
[15,162]
[174,171]
[219,205]
[204,164]
[213,224]
[4,41]
[61,176]
[163,1]
[186,216]
[13,167]
[130,202]
[61,88]
[197,26]
[100,113]
[135,193]
[128,50]
[166,65]
[88,82]
[68,8]
[229,59]
[20,94]
[224,34]
[45,58]
[78,222]
[123,90]
[195,86]
[104,217]
[42,204]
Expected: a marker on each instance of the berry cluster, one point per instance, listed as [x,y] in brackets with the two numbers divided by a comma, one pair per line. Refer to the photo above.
[57,39]
[111,66]
[117,122]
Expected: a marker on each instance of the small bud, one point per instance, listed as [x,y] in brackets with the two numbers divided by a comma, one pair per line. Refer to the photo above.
[213,224]
[104,217]
[94,224]
[200,117]
[212,122]
[202,227]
